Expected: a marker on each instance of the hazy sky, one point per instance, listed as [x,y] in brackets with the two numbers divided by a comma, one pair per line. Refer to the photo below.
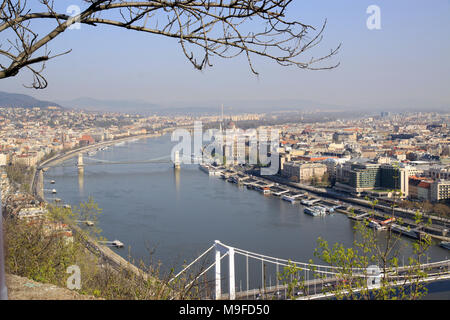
[407,61]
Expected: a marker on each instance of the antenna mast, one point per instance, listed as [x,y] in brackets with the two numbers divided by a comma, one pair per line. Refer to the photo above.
[221,120]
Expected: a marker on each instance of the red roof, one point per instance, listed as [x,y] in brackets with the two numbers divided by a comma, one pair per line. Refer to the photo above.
[316,158]
[424,184]
[87,138]
[351,129]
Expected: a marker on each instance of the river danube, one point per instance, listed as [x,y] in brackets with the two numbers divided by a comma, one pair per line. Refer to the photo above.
[177,215]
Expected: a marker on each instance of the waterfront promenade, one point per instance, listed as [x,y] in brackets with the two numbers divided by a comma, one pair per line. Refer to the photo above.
[407,216]
[437,229]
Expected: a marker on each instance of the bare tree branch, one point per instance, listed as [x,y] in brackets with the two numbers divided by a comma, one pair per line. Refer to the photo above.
[204,29]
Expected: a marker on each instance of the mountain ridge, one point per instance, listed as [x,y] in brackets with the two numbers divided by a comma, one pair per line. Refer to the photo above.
[212,106]
[18,100]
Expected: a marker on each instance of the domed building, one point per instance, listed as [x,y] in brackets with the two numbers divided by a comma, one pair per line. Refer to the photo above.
[231,125]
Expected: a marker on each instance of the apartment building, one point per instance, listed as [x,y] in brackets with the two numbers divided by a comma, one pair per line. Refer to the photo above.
[304,172]
[362,176]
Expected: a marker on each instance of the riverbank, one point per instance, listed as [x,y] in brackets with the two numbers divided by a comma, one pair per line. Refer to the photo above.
[275,185]
[109,256]
[383,211]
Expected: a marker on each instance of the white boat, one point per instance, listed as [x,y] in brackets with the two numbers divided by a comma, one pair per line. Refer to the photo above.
[117,243]
[309,202]
[404,230]
[375,225]
[445,244]
[291,196]
[280,192]
[52,182]
[53,191]
[315,211]
[380,224]
[330,210]
[288,198]
[210,170]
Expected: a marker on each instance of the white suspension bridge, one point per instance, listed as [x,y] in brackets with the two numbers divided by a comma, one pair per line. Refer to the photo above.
[313,281]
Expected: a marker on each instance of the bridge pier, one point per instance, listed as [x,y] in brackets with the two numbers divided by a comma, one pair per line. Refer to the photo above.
[176,160]
[80,163]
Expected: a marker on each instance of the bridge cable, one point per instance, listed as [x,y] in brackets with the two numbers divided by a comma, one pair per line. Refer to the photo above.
[187,267]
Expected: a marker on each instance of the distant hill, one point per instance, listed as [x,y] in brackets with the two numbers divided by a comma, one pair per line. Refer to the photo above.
[194,107]
[91,104]
[16,100]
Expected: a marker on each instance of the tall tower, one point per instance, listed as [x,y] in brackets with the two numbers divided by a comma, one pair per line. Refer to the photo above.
[221,121]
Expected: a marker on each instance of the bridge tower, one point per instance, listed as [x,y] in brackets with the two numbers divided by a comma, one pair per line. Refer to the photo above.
[80,163]
[176,160]
[221,250]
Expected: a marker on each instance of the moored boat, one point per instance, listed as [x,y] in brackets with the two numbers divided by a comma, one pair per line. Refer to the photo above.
[376,224]
[288,198]
[291,196]
[315,211]
[117,243]
[309,202]
[380,224]
[404,231]
[445,244]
